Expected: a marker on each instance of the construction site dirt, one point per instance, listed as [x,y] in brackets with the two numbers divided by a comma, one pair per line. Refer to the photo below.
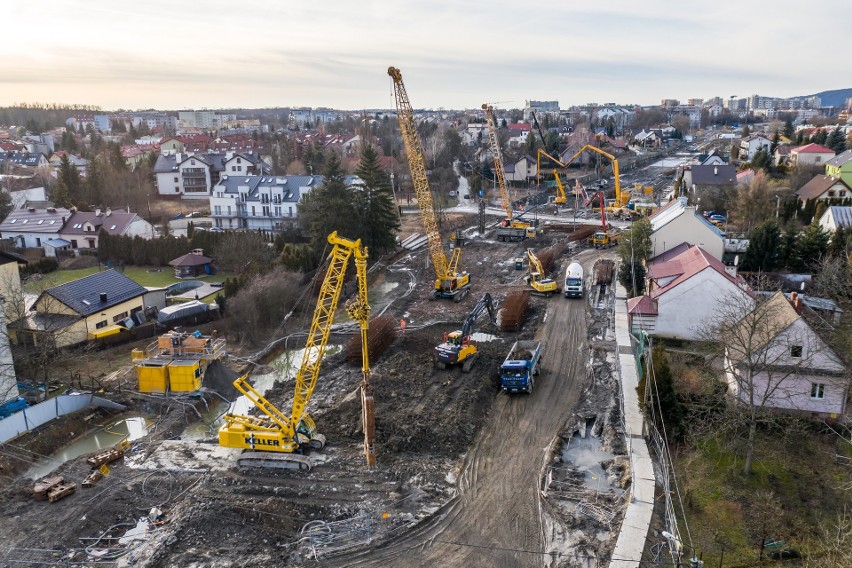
[466,475]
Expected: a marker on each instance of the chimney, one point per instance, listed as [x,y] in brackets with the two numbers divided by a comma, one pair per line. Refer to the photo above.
[97,211]
[108,212]
[796,301]
[103,297]
[715,170]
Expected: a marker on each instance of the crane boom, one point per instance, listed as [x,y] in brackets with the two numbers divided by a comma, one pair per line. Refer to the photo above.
[278,432]
[498,159]
[485,303]
[449,283]
[621,198]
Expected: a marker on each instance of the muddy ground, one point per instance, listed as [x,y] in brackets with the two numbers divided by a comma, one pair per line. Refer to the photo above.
[426,423]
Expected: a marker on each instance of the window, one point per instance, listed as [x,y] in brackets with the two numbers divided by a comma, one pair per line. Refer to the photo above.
[266,211]
[38,242]
[101,324]
[176,180]
[118,317]
[817,390]
[796,351]
[239,160]
[253,214]
[73,243]
[177,190]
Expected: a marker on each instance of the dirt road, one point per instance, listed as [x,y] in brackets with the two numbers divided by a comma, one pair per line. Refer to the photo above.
[495,519]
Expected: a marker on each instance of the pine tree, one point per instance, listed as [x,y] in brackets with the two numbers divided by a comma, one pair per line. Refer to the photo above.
[763,253]
[811,247]
[788,128]
[330,207]
[376,203]
[837,247]
[70,184]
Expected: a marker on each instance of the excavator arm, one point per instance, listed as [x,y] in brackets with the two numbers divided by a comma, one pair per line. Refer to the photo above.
[484,304]
[535,263]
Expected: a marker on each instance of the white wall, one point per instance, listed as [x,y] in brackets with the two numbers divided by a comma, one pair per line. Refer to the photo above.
[684,308]
[687,228]
[140,228]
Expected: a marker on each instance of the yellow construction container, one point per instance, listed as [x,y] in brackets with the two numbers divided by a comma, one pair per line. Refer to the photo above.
[153,376]
[185,375]
[137,354]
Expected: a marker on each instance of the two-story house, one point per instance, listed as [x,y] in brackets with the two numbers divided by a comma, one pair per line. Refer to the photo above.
[750,145]
[840,167]
[192,175]
[679,223]
[82,227]
[823,188]
[775,359]
[267,203]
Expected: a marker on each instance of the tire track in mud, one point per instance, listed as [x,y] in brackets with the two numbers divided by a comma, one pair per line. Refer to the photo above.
[495,518]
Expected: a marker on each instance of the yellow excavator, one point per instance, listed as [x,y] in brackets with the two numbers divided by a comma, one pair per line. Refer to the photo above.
[274,439]
[622,198]
[449,281]
[457,348]
[536,277]
[512,228]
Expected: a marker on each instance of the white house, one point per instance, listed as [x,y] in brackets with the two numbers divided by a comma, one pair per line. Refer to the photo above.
[784,363]
[749,146]
[267,203]
[679,223]
[686,286]
[810,155]
[836,216]
[823,188]
[192,175]
[82,228]
[522,170]
[31,228]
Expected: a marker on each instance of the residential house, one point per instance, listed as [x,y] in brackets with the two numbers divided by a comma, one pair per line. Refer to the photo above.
[81,164]
[679,223]
[522,170]
[82,228]
[66,314]
[267,203]
[31,227]
[648,138]
[712,159]
[810,155]
[777,360]
[518,134]
[193,264]
[840,167]
[709,184]
[744,177]
[686,286]
[11,295]
[823,188]
[782,154]
[751,144]
[836,216]
[192,176]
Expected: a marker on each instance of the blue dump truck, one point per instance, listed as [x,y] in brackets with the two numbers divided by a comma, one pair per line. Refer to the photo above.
[521,365]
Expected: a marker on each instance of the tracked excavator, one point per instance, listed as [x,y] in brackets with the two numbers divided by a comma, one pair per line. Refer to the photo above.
[536,277]
[279,441]
[457,348]
[450,282]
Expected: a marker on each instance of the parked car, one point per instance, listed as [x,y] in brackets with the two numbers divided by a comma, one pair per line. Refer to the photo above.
[717,218]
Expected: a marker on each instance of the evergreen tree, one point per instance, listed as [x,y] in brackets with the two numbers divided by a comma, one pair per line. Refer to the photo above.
[330,207]
[820,137]
[837,247]
[836,140]
[811,247]
[628,273]
[763,253]
[6,204]
[71,186]
[776,139]
[800,137]
[376,204]
[789,132]
[761,160]
[667,410]
[93,188]
[788,244]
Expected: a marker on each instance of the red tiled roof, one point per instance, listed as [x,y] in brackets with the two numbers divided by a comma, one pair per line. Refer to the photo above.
[684,266]
[642,305]
[812,149]
[520,126]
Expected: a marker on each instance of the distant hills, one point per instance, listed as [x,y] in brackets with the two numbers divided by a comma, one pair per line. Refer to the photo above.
[835,98]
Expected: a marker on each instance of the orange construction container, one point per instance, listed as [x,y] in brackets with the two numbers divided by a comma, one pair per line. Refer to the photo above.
[153,376]
[185,375]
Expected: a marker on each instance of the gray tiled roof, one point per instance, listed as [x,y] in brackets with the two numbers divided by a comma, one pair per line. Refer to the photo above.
[714,175]
[842,215]
[289,185]
[840,159]
[83,295]
[37,221]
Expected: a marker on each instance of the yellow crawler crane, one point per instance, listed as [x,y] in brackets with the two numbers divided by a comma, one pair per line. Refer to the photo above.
[276,439]
[536,277]
[449,282]
[511,228]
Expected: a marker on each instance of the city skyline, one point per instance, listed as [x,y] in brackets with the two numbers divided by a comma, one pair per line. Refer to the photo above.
[254,55]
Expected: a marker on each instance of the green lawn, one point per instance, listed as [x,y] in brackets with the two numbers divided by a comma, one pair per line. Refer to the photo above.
[148,276]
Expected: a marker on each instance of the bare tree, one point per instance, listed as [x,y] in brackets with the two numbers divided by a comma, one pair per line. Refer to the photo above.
[770,356]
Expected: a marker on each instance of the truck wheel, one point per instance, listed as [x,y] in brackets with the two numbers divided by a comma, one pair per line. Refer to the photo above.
[537,369]
[530,385]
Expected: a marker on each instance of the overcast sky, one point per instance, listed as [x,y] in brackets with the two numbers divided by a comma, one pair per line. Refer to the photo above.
[452,53]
